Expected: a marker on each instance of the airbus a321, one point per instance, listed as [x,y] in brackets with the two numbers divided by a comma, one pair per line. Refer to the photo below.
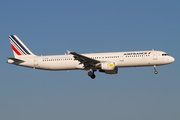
[103,62]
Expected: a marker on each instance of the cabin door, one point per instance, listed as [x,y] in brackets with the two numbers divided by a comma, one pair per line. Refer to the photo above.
[36,62]
[154,55]
[121,58]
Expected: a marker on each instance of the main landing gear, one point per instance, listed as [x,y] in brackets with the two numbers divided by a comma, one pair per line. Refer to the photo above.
[156,72]
[91,74]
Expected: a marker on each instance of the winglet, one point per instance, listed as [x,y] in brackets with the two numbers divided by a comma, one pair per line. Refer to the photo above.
[68,52]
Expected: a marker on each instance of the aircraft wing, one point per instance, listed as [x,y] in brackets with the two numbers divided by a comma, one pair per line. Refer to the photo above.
[84,60]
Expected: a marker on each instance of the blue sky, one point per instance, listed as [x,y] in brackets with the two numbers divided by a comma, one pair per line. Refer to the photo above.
[52,27]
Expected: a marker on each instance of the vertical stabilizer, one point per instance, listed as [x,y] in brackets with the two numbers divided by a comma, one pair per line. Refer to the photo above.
[18,47]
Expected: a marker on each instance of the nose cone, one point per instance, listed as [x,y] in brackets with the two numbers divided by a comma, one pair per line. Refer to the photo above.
[171,60]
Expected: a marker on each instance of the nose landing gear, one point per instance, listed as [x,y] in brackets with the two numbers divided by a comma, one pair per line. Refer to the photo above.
[156,72]
[91,74]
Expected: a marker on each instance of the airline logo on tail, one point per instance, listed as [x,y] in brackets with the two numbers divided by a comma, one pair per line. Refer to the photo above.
[18,47]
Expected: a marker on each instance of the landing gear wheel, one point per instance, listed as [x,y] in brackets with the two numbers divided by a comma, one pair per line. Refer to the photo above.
[156,72]
[91,74]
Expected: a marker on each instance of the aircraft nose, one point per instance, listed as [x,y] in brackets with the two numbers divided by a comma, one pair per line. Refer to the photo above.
[172,59]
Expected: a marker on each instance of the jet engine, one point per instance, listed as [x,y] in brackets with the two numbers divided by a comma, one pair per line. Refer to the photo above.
[108,66]
[115,71]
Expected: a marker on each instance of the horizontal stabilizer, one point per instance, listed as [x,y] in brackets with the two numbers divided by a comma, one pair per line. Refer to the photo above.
[16,60]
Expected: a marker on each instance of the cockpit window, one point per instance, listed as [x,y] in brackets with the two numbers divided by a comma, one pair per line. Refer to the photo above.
[165,55]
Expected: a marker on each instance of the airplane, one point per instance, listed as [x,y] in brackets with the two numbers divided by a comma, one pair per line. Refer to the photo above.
[103,62]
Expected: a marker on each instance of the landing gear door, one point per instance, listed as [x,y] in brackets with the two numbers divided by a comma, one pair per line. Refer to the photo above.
[154,55]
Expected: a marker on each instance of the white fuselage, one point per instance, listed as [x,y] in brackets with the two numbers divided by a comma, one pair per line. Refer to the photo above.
[121,59]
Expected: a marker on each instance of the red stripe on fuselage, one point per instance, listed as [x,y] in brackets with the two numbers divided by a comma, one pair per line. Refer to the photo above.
[15,50]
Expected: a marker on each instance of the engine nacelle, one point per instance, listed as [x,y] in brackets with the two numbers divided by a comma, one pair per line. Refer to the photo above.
[108,66]
[115,71]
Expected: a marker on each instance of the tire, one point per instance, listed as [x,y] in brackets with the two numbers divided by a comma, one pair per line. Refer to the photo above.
[93,76]
[90,73]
